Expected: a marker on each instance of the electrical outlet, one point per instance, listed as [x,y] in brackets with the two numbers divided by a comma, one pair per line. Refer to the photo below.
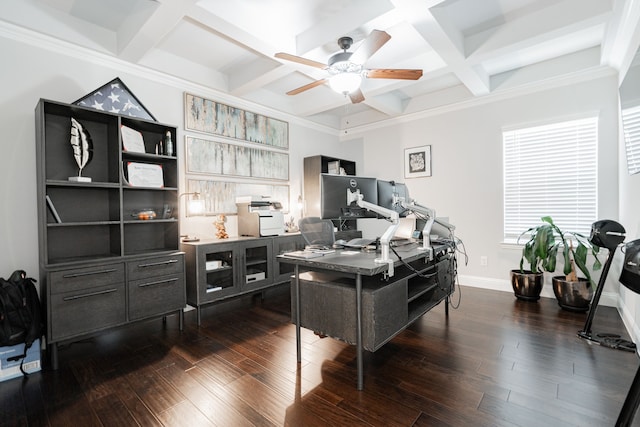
[483,261]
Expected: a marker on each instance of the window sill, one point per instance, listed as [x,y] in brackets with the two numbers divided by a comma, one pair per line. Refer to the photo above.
[511,244]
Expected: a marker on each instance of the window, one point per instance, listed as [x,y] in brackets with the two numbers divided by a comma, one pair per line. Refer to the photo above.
[551,170]
[631,127]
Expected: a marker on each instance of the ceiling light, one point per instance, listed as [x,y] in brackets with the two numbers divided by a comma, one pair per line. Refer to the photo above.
[345,83]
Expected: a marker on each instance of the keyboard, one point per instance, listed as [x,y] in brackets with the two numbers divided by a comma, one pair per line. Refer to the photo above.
[358,243]
[318,247]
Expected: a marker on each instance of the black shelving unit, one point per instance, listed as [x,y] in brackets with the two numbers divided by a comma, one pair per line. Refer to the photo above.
[101,264]
[313,167]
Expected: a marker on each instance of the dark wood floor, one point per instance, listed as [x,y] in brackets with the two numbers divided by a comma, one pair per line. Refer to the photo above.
[494,361]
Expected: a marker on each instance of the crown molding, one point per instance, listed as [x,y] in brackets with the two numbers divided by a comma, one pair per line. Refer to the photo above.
[62,47]
[65,48]
[593,73]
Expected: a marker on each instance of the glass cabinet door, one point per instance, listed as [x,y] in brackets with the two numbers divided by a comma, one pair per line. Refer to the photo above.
[219,273]
[283,244]
[257,270]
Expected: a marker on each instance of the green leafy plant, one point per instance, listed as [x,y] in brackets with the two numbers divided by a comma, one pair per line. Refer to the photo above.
[547,240]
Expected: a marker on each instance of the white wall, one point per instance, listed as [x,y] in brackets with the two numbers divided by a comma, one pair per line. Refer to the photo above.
[629,204]
[466,181]
[34,69]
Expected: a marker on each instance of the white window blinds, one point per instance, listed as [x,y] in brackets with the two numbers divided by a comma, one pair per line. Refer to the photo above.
[631,127]
[551,170]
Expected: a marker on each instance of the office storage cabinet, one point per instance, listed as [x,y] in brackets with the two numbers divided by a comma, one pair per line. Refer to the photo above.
[220,269]
[108,232]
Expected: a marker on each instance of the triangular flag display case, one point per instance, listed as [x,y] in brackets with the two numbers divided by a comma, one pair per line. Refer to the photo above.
[115,97]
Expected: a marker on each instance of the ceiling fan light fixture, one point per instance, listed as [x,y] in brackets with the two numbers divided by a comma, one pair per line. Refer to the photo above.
[345,83]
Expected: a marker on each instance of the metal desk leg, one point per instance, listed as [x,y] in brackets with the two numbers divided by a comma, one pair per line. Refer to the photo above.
[631,402]
[297,285]
[359,329]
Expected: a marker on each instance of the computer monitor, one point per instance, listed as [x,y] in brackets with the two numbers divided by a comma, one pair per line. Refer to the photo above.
[333,196]
[441,229]
[386,191]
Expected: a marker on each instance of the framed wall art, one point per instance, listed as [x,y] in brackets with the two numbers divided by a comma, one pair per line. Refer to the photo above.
[220,158]
[417,162]
[215,118]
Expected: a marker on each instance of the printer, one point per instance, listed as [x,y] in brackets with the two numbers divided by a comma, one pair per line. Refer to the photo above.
[258,216]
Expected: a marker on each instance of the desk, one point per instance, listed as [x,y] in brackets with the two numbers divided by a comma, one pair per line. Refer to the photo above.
[328,290]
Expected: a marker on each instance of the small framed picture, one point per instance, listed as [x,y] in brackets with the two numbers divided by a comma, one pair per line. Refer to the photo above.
[145,175]
[417,162]
[132,140]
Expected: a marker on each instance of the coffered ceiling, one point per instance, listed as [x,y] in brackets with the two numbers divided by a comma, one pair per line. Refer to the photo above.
[468,49]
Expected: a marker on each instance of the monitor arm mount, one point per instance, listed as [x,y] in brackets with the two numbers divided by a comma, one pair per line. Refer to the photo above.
[385,239]
[430,214]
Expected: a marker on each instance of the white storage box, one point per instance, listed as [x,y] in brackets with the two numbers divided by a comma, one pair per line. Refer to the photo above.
[11,368]
[213,265]
[254,276]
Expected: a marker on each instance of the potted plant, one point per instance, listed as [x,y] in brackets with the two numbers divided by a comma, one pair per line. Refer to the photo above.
[546,241]
[527,284]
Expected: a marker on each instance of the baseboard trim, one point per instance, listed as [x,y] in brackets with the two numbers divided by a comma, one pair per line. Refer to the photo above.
[609,299]
[628,319]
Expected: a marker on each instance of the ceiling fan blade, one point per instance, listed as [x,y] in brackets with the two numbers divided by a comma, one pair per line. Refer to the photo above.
[300,60]
[369,46]
[356,96]
[391,73]
[306,87]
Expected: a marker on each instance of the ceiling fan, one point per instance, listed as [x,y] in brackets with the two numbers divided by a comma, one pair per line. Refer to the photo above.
[346,68]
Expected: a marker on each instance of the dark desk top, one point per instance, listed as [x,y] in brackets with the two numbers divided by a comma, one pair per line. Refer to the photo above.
[355,262]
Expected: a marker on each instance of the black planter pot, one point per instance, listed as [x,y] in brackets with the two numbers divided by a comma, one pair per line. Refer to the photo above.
[526,284]
[573,295]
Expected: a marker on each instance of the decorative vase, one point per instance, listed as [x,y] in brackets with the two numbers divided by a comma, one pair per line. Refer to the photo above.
[572,295]
[526,284]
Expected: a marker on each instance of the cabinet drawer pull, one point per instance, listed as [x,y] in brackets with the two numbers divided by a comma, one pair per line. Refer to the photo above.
[91,294]
[156,264]
[158,282]
[88,273]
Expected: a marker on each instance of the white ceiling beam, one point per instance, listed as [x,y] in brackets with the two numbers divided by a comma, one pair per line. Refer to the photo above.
[622,38]
[172,64]
[230,31]
[386,103]
[356,14]
[572,64]
[561,20]
[136,39]
[322,99]
[439,98]
[252,77]
[247,77]
[53,22]
[446,40]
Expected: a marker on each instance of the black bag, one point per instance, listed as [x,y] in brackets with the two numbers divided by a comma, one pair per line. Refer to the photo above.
[20,313]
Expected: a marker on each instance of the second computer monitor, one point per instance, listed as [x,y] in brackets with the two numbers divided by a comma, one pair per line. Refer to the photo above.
[386,192]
